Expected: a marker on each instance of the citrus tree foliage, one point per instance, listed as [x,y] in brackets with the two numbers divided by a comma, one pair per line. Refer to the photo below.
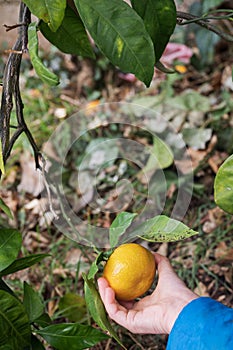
[131,37]
[21,321]
[223,186]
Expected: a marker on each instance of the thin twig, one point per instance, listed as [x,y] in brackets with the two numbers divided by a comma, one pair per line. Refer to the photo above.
[181,16]
[7,102]
[22,124]
[14,26]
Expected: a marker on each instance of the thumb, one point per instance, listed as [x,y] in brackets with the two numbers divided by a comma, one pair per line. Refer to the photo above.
[167,276]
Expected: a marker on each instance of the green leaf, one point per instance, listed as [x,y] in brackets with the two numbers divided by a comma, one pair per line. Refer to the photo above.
[190,101]
[121,35]
[94,266]
[94,303]
[71,36]
[160,66]
[119,226]
[5,207]
[50,11]
[36,344]
[71,336]
[10,244]
[32,303]
[223,186]
[161,153]
[5,287]
[23,263]
[163,229]
[159,17]
[14,326]
[44,320]
[73,307]
[43,72]
[96,308]
[196,137]
[161,157]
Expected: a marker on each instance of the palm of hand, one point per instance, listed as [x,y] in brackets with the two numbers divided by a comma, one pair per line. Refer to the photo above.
[156,313]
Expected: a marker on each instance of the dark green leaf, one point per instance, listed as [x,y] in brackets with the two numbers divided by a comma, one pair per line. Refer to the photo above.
[159,17]
[119,226]
[73,306]
[50,11]
[94,303]
[71,36]
[5,208]
[32,303]
[223,186]
[121,34]
[14,325]
[10,244]
[36,344]
[96,308]
[94,266]
[23,263]
[5,287]
[44,320]
[43,72]
[163,229]
[6,347]
[71,336]
[159,65]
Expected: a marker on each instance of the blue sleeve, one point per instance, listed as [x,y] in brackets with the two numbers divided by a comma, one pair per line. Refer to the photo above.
[203,324]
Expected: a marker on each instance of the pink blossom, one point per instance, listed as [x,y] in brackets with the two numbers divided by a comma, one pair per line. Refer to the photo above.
[127,77]
[176,52]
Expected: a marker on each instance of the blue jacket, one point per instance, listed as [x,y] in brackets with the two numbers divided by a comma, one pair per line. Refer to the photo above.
[204,324]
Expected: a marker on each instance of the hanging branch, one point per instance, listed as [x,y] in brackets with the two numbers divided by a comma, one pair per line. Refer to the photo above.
[184,18]
[11,91]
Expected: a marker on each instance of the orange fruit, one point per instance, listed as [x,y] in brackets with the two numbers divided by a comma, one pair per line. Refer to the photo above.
[130,271]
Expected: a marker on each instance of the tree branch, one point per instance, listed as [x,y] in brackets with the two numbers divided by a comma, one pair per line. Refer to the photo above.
[203,22]
[11,91]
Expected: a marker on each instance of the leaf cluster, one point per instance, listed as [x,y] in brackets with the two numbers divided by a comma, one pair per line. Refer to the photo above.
[23,321]
[111,25]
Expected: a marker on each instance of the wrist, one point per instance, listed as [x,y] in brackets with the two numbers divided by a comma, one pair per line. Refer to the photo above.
[176,307]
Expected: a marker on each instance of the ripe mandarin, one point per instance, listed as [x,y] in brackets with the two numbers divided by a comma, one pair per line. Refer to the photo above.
[130,271]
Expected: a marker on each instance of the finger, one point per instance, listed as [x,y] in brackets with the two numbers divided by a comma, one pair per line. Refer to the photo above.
[107,295]
[161,261]
[102,284]
[115,310]
[167,275]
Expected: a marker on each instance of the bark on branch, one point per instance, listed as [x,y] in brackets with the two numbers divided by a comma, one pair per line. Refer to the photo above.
[11,92]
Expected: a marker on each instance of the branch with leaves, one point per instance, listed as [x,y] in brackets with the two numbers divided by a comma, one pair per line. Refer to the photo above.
[11,94]
[184,18]
[135,48]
